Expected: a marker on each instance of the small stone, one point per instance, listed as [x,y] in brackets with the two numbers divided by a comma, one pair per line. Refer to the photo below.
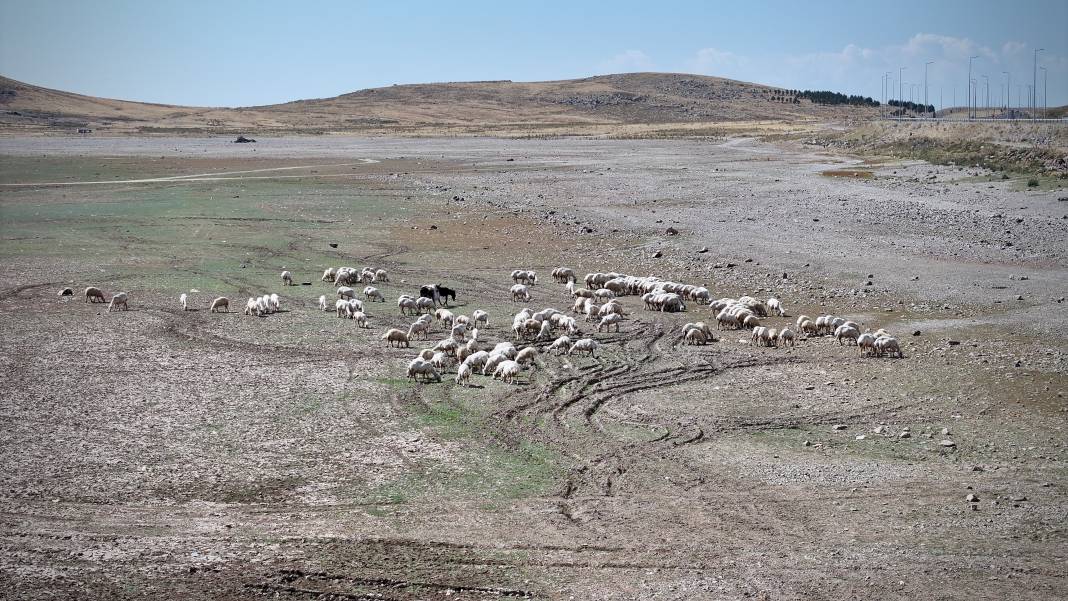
[954,343]
[861,436]
[1019,297]
[880,430]
[671,231]
[658,254]
[840,426]
[945,431]
[704,249]
[66,292]
[333,245]
[810,387]
[905,434]
[916,333]
[807,444]
[949,444]
[972,498]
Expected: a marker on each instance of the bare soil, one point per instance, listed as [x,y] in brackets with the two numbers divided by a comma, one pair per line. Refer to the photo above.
[165,453]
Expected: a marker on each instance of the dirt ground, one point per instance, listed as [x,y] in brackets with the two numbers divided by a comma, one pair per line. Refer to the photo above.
[164,453]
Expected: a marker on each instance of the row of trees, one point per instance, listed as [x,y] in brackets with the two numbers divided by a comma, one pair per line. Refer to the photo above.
[822,97]
[911,106]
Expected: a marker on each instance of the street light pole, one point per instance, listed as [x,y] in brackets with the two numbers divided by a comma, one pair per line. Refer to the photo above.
[970,85]
[900,88]
[1045,100]
[1034,81]
[1008,88]
[925,103]
[986,82]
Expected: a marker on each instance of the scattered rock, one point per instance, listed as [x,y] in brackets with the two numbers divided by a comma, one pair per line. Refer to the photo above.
[244,140]
[861,436]
[905,434]
[880,430]
[671,231]
[333,245]
[66,292]
[954,343]
[658,254]
[840,426]
[972,498]
[704,249]
[949,444]
[945,431]
[433,227]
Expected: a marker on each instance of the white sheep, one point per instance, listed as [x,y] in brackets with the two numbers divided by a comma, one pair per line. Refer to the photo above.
[528,355]
[480,316]
[463,374]
[787,338]
[360,318]
[507,371]
[419,367]
[407,305]
[252,307]
[274,302]
[696,336]
[329,274]
[441,361]
[183,298]
[119,300]
[346,292]
[563,275]
[505,348]
[445,317]
[219,304]
[520,293]
[477,359]
[323,306]
[425,304]
[287,278]
[612,319]
[586,345]
[844,332]
[419,327]
[380,276]
[342,307]
[888,345]
[373,294]
[775,305]
[560,344]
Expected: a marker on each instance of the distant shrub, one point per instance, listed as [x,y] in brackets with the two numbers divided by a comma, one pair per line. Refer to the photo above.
[1032,183]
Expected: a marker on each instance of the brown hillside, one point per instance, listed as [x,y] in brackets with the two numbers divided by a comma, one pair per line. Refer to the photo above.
[472,107]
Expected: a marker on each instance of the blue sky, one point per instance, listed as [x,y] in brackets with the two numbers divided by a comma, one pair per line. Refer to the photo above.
[247,53]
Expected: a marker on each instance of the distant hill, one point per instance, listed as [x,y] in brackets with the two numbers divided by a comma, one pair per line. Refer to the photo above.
[469,107]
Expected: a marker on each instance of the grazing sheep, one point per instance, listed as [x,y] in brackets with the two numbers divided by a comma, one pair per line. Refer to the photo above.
[346,292]
[750,321]
[696,336]
[477,359]
[360,318]
[800,319]
[612,319]
[809,327]
[94,295]
[274,302]
[480,316]
[441,361]
[528,355]
[563,275]
[603,294]
[407,305]
[287,278]
[844,332]
[505,348]
[252,307]
[445,317]
[775,305]
[424,304]
[119,300]
[866,344]
[520,293]
[373,294]
[342,307]
[507,371]
[787,338]
[426,354]
[888,345]
[183,298]
[463,374]
[459,332]
[611,307]
[419,327]
[393,335]
[380,276]
[579,292]
[560,344]
[492,362]
[425,369]
[322,303]
[329,275]
[700,325]
[586,345]
[219,304]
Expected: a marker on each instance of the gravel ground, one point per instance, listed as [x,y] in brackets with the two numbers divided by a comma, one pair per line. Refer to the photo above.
[167,454]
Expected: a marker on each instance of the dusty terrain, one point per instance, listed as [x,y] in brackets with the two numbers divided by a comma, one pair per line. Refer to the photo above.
[633,104]
[168,454]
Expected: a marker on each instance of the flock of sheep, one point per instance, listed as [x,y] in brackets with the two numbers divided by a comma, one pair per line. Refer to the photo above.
[595,304]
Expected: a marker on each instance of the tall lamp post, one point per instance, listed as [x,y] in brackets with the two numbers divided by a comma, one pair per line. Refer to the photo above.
[1045,101]
[970,58]
[901,88]
[1008,90]
[986,83]
[925,103]
[1034,82]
